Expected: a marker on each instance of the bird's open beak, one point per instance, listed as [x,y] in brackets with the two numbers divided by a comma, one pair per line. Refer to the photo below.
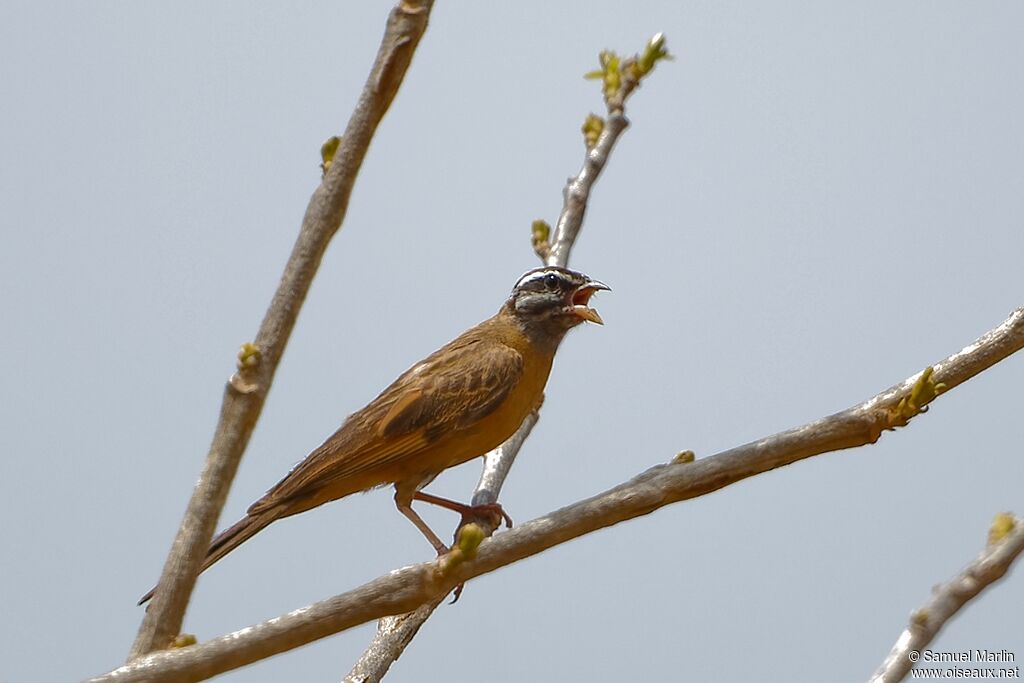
[581,297]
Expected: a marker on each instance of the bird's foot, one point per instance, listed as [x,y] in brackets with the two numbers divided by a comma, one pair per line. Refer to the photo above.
[488,513]
[491,513]
[481,519]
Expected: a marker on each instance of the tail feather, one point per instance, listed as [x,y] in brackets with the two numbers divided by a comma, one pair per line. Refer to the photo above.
[227,540]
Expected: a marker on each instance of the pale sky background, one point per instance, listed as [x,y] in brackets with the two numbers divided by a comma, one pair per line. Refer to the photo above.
[815,201]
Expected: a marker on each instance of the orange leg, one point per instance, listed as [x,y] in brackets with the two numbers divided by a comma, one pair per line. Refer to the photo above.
[468,512]
[492,511]
[405,507]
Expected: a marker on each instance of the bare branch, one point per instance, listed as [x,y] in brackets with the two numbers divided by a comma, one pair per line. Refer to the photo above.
[247,390]
[498,462]
[577,191]
[600,136]
[405,589]
[1005,546]
[393,635]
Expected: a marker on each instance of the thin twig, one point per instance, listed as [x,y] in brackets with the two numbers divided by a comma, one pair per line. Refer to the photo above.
[949,598]
[246,392]
[405,589]
[391,641]
[577,191]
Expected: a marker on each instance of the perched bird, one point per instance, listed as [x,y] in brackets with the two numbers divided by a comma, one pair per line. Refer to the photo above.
[457,404]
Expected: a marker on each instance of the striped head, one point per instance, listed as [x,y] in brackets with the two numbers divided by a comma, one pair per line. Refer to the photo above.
[554,300]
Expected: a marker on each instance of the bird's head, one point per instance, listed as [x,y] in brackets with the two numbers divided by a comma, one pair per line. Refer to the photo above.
[553,300]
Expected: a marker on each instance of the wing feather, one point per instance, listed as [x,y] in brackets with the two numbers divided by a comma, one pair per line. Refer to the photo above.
[449,391]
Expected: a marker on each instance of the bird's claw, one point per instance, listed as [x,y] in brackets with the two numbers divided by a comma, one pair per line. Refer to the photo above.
[491,513]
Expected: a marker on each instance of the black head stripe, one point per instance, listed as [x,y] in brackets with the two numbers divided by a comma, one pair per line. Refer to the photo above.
[540,278]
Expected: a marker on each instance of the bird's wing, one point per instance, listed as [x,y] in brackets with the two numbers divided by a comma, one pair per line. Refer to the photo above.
[453,392]
[449,391]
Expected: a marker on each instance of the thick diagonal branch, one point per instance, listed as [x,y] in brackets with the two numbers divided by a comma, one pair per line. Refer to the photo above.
[403,590]
[246,392]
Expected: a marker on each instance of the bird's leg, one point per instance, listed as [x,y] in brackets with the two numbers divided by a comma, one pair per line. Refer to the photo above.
[492,511]
[404,505]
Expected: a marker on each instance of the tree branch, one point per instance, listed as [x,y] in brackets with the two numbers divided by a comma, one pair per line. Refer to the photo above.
[395,633]
[498,462]
[1006,543]
[405,589]
[577,191]
[247,390]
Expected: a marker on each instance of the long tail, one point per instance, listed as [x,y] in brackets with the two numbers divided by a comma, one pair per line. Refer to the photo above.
[229,539]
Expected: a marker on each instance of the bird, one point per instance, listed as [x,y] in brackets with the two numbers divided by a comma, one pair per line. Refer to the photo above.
[458,403]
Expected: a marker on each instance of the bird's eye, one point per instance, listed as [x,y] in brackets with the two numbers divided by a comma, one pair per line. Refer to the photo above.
[551,280]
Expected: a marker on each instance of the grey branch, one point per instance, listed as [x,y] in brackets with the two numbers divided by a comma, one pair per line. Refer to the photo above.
[947,600]
[247,390]
[405,589]
[390,641]
[577,191]
[394,633]
[498,462]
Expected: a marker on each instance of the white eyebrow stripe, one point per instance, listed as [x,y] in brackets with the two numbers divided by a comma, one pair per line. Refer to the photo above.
[535,274]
